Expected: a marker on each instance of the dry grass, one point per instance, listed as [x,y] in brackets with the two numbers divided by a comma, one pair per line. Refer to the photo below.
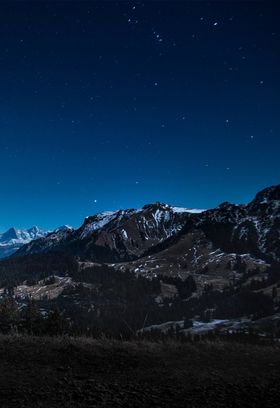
[82,372]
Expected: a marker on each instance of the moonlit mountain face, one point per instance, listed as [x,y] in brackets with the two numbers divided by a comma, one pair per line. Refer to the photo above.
[116,235]
[192,239]
[13,239]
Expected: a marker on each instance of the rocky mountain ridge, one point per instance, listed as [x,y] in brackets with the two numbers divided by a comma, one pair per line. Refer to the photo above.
[189,241]
[117,236]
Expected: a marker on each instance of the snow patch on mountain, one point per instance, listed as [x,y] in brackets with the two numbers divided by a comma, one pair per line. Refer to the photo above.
[99,221]
[180,210]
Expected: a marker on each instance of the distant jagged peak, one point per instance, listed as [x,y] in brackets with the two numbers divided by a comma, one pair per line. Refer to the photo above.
[11,233]
[13,239]
[24,235]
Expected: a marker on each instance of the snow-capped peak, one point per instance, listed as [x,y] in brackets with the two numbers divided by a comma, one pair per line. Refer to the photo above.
[187,210]
[13,239]
[64,228]
[22,235]
[98,221]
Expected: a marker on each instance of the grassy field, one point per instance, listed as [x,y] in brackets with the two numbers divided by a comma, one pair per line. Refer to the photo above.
[61,372]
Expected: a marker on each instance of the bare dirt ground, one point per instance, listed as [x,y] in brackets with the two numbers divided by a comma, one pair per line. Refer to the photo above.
[59,372]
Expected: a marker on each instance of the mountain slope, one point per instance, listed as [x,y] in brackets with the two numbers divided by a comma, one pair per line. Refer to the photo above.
[253,228]
[116,236]
[219,246]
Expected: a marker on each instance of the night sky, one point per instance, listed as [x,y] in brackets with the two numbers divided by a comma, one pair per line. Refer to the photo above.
[108,105]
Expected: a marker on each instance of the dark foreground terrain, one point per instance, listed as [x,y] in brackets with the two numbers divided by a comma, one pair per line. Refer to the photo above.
[44,372]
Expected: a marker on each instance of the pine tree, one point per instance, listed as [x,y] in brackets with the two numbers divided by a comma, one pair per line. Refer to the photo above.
[188,323]
[33,320]
[55,324]
[9,315]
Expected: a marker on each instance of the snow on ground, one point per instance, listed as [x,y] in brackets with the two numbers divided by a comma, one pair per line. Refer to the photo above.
[200,327]
[41,289]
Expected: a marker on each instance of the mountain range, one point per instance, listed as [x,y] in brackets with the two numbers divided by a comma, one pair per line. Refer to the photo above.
[123,235]
[13,239]
[162,261]
[160,238]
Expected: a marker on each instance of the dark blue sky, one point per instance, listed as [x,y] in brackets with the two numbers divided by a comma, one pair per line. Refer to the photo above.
[108,105]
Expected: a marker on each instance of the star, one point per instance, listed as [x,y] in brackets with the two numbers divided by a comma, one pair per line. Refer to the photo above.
[157,36]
